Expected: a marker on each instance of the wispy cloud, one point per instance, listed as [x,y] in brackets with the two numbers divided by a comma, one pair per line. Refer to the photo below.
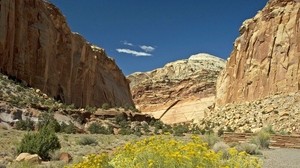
[132,52]
[127,43]
[147,48]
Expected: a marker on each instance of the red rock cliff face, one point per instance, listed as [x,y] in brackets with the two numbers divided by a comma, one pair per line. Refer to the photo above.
[266,57]
[38,47]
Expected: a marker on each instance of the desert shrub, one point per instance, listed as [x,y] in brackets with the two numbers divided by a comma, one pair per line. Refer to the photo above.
[96,128]
[41,143]
[68,128]
[221,147]
[105,106]
[48,120]
[283,132]
[262,139]
[120,118]
[158,124]
[211,139]
[269,129]
[167,129]
[87,141]
[25,125]
[126,131]
[220,131]
[196,130]
[138,131]
[249,148]
[94,161]
[91,109]
[146,127]
[167,152]
[180,129]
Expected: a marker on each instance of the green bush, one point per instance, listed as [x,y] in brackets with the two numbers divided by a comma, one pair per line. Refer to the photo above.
[25,125]
[48,120]
[41,143]
[211,139]
[249,148]
[125,131]
[105,106]
[96,128]
[120,118]
[87,141]
[180,129]
[68,128]
[262,139]
[269,129]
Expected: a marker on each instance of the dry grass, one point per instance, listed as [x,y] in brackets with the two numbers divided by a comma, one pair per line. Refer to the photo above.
[9,140]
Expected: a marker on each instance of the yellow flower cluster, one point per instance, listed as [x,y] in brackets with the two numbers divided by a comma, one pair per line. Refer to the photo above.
[94,161]
[165,152]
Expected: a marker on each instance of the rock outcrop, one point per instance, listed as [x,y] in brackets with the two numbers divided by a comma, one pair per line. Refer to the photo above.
[281,112]
[38,48]
[260,85]
[187,84]
[266,56]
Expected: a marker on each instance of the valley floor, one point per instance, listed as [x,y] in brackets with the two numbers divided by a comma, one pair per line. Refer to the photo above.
[273,158]
[281,158]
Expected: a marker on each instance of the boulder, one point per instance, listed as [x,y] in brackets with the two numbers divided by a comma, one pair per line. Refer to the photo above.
[29,157]
[66,157]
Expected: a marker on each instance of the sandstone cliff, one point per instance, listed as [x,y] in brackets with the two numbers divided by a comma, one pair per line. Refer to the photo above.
[266,56]
[190,82]
[38,48]
[260,85]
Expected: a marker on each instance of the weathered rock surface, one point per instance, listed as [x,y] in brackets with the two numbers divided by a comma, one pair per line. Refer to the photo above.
[279,111]
[266,56]
[29,158]
[38,48]
[260,85]
[190,83]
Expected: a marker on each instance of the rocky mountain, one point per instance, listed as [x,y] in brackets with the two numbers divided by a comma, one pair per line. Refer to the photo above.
[38,48]
[266,56]
[187,87]
[259,86]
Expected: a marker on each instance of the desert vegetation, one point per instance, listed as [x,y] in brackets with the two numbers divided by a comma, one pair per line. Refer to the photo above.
[164,152]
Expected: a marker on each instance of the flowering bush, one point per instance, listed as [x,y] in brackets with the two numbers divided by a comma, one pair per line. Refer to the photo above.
[164,152]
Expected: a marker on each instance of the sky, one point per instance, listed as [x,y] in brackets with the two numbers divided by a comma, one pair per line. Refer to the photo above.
[142,35]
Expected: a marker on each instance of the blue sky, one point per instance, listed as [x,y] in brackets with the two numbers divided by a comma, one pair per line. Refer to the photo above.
[142,35]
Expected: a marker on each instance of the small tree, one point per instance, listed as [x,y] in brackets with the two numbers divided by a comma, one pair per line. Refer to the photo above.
[105,106]
[25,125]
[48,120]
[40,143]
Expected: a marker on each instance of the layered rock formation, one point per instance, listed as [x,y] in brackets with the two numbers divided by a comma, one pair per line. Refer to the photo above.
[38,48]
[266,56]
[260,85]
[187,84]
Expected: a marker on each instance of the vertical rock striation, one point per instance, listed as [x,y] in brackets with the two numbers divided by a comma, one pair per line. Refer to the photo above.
[38,48]
[266,56]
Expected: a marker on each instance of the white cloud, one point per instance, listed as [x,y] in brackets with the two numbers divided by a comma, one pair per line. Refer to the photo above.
[135,53]
[147,48]
[127,43]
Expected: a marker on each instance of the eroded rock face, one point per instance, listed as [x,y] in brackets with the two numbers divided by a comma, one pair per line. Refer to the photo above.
[190,83]
[38,48]
[266,57]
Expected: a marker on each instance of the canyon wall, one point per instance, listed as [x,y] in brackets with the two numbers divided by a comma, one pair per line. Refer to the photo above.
[38,48]
[266,57]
